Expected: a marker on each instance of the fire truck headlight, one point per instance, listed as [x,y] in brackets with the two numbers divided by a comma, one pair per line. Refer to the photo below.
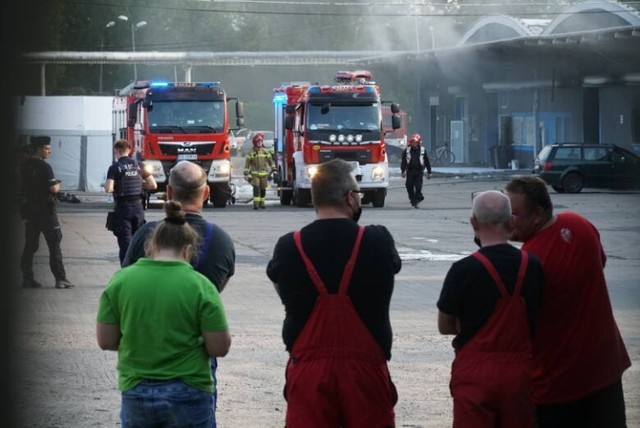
[358,138]
[332,138]
[350,138]
[219,170]
[147,169]
[311,171]
[224,169]
[377,173]
[340,138]
[154,168]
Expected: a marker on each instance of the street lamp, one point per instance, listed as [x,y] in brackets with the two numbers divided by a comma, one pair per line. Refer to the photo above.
[108,25]
[134,27]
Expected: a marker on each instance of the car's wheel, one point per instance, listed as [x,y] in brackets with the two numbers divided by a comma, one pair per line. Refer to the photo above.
[572,182]
[557,188]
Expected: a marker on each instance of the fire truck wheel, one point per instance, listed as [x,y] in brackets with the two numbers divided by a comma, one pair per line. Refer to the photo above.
[219,196]
[285,197]
[377,199]
[303,197]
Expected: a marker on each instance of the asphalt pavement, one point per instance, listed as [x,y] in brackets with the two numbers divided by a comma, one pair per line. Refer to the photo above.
[63,380]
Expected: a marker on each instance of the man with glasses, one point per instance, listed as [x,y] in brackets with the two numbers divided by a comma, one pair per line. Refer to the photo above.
[216,257]
[335,280]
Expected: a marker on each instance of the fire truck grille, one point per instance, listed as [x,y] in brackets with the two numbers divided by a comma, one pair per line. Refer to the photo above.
[361,156]
[181,149]
[167,165]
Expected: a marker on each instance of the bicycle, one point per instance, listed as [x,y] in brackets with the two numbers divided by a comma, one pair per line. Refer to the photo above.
[442,156]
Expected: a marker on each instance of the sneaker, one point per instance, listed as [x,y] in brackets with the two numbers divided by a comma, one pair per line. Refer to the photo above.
[31,284]
[64,283]
[262,207]
[416,206]
[255,207]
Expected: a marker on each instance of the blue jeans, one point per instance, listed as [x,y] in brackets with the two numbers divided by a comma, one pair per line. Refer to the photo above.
[166,404]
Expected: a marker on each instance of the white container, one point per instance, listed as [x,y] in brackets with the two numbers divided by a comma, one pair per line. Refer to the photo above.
[515,164]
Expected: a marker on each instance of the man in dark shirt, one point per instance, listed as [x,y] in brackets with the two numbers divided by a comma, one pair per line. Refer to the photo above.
[412,165]
[337,371]
[490,300]
[126,180]
[38,208]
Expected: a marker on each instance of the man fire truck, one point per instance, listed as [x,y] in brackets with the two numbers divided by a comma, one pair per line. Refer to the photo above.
[168,122]
[315,123]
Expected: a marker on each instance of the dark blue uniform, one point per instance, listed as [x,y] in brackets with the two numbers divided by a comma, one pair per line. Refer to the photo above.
[128,196]
[39,210]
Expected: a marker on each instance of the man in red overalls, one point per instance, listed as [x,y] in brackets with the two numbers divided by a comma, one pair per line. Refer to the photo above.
[489,300]
[335,279]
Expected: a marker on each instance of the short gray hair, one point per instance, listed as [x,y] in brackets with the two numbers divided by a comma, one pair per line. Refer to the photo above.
[331,182]
[491,208]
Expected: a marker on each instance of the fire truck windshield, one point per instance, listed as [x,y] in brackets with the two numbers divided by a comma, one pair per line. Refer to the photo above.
[186,117]
[343,117]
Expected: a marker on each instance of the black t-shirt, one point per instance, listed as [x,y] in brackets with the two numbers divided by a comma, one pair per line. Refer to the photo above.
[36,179]
[470,293]
[328,244]
[219,261]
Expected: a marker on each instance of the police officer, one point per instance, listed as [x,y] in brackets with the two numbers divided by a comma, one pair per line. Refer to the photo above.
[414,161]
[38,208]
[126,180]
[257,167]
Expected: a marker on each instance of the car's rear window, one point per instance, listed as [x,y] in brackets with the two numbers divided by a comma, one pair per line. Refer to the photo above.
[544,153]
[595,153]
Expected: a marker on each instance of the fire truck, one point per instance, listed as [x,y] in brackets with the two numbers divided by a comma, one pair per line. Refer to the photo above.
[315,123]
[172,121]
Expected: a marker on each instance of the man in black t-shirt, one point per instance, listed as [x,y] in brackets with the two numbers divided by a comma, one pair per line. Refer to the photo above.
[337,368]
[38,209]
[489,301]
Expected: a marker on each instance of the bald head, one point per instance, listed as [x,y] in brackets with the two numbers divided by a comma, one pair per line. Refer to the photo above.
[492,208]
[187,181]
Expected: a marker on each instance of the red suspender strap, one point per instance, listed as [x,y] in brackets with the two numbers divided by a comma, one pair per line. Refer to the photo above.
[524,261]
[315,278]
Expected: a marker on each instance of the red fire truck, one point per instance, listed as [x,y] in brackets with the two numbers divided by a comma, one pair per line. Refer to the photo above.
[315,123]
[168,122]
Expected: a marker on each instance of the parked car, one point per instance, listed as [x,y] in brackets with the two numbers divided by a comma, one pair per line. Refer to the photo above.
[568,167]
[268,142]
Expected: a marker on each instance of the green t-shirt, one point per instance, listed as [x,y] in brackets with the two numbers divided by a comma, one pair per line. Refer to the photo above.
[162,308]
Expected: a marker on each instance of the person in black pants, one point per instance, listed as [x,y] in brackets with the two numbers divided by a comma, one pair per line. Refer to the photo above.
[127,181]
[38,208]
[414,161]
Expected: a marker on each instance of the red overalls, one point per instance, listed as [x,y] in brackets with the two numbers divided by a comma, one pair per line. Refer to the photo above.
[491,381]
[337,374]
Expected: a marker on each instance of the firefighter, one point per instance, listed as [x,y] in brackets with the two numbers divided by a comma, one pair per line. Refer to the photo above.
[414,161]
[257,168]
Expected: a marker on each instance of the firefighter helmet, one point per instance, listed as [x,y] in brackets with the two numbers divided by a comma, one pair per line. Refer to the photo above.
[258,137]
[415,137]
